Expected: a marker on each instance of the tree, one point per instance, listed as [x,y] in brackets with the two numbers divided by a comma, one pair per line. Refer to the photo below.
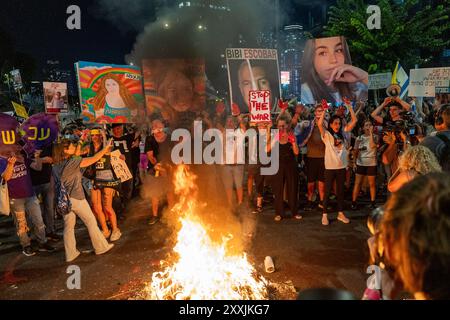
[409,33]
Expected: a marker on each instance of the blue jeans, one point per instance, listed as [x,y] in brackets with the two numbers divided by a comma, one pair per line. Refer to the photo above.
[48,212]
[32,208]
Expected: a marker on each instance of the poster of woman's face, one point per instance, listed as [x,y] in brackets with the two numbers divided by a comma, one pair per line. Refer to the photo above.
[55,95]
[328,73]
[174,87]
[110,93]
[252,70]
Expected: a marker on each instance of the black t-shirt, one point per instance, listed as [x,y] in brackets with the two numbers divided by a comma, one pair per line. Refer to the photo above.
[123,144]
[43,176]
[161,151]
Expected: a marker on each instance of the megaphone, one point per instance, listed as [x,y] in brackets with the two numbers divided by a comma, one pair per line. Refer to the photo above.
[393,90]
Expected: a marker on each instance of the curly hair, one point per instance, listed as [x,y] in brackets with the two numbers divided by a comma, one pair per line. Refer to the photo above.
[100,99]
[420,159]
[415,233]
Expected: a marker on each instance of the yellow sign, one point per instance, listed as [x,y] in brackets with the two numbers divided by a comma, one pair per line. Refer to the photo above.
[20,110]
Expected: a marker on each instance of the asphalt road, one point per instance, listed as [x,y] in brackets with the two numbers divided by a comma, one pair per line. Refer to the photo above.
[306,255]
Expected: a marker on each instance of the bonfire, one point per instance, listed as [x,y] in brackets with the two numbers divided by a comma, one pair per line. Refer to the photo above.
[202,269]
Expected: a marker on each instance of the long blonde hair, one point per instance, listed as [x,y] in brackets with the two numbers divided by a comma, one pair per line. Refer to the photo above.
[420,159]
[100,98]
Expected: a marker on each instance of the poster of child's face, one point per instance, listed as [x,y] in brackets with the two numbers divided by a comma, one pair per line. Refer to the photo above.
[110,93]
[328,73]
[55,95]
[174,86]
[250,70]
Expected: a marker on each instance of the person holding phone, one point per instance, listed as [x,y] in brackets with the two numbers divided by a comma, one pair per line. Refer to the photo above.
[67,166]
[336,160]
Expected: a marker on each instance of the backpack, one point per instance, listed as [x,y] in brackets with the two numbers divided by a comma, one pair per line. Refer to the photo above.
[444,160]
[63,206]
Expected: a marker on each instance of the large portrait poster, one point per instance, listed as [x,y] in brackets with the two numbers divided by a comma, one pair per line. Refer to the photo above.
[328,73]
[110,93]
[55,95]
[252,70]
[174,87]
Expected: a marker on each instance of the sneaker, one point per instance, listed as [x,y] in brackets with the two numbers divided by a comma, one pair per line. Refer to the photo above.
[342,218]
[72,259]
[259,209]
[325,221]
[298,217]
[153,220]
[354,206]
[116,234]
[109,247]
[53,237]
[28,251]
[372,206]
[278,218]
[45,247]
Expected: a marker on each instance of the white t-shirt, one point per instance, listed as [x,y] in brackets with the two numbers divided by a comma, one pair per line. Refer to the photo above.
[367,156]
[336,157]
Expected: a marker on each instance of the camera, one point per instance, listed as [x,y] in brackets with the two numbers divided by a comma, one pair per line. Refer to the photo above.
[407,125]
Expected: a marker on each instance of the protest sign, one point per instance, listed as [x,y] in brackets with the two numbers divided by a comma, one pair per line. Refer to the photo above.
[322,77]
[110,93]
[9,137]
[20,110]
[379,80]
[259,105]
[252,70]
[174,86]
[429,81]
[16,79]
[55,95]
[120,167]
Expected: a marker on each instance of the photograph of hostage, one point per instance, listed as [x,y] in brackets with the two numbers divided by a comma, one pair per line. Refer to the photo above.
[328,73]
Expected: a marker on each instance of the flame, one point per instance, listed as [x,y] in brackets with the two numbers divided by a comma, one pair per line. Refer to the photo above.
[203,270]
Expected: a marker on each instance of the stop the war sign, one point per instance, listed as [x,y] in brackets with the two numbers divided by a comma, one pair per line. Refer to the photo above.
[259,105]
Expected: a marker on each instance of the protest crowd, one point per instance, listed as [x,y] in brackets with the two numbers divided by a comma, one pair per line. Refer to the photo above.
[333,157]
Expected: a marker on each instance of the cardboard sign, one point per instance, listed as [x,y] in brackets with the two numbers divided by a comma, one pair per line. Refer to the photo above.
[429,81]
[379,80]
[20,110]
[120,167]
[259,105]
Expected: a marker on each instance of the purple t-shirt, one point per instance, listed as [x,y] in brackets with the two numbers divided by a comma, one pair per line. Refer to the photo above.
[19,186]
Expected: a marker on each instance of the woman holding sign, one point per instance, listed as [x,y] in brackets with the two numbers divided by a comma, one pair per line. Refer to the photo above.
[104,187]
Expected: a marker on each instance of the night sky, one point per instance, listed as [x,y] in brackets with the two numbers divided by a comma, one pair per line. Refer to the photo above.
[39,28]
